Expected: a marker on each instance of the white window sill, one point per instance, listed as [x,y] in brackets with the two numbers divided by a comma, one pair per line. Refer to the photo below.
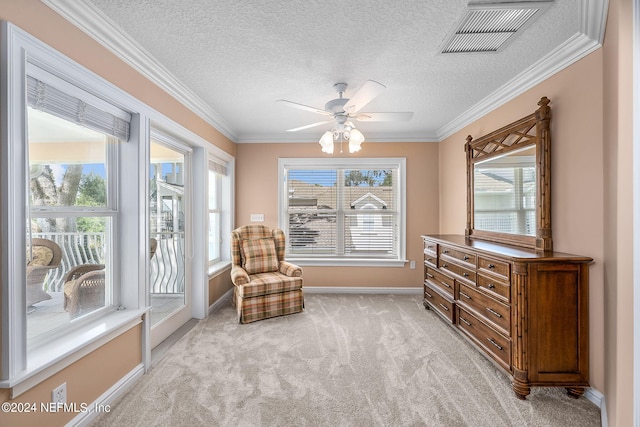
[342,262]
[218,268]
[52,357]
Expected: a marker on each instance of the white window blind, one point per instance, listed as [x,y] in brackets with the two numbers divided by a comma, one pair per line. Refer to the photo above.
[58,99]
[347,210]
[218,166]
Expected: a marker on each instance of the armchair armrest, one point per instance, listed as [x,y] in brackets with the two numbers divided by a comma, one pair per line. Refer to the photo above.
[239,276]
[290,270]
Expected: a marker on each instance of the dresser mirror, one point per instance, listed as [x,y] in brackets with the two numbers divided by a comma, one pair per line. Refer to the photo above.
[508,183]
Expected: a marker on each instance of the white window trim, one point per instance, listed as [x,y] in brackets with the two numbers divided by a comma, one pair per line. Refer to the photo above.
[360,163]
[217,210]
[226,214]
[15,47]
[18,364]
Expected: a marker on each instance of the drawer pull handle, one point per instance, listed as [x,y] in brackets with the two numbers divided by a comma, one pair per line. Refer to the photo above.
[428,294]
[445,307]
[465,274]
[491,266]
[498,346]
[495,313]
[430,276]
[430,259]
[465,321]
[446,284]
[465,258]
[445,266]
[464,295]
[430,247]
[445,251]
[491,286]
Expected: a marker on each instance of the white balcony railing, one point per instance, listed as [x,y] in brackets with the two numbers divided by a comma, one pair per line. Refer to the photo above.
[166,266]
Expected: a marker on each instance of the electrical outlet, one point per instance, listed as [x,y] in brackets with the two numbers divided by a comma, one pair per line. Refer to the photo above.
[59,394]
[257,217]
[412,265]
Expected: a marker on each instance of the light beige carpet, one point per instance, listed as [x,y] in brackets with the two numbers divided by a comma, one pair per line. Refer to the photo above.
[347,360]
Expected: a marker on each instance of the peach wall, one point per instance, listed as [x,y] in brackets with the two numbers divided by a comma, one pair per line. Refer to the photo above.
[576,175]
[87,379]
[219,285]
[618,161]
[257,192]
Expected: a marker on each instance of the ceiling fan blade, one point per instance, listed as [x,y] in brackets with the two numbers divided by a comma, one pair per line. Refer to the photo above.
[303,107]
[384,117]
[310,126]
[365,94]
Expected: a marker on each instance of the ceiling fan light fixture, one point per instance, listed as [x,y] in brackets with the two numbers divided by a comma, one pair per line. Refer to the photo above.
[326,142]
[355,141]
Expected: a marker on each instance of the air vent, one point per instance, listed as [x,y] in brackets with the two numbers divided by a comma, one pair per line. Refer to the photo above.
[487,27]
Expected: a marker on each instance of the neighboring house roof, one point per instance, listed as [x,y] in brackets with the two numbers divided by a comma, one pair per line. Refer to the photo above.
[369,196]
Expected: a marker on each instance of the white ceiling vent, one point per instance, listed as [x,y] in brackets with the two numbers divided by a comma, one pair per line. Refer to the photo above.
[487,27]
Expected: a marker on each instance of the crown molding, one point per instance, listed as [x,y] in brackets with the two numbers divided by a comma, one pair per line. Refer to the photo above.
[90,20]
[380,137]
[98,26]
[594,18]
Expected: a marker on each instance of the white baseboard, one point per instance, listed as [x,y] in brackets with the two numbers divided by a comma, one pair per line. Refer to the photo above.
[221,301]
[102,403]
[597,398]
[360,290]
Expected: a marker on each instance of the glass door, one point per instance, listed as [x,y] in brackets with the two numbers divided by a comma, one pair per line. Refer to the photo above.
[169,192]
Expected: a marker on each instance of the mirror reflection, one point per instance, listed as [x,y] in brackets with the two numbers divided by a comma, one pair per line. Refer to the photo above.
[504,194]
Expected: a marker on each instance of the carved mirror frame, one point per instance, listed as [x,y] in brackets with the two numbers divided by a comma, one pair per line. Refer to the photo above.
[533,129]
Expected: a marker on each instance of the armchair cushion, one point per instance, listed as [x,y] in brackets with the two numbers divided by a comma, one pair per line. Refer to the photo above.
[42,256]
[259,255]
[269,283]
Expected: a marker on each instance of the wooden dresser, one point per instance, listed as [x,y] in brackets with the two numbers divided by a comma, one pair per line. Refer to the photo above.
[527,311]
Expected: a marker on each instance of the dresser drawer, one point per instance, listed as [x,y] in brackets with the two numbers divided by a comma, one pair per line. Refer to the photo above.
[495,312]
[439,303]
[466,258]
[430,260]
[495,287]
[430,248]
[439,280]
[494,343]
[499,268]
[461,272]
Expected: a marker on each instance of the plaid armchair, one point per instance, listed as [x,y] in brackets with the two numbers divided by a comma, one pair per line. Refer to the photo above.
[265,284]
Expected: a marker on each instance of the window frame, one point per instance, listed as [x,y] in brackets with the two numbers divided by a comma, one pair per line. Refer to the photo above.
[130,244]
[217,210]
[225,185]
[358,163]
[23,364]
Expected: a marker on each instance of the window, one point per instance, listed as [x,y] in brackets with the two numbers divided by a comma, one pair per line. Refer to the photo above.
[71,217]
[219,210]
[344,211]
[71,208]
[74,177]
[70,251]
[216,172]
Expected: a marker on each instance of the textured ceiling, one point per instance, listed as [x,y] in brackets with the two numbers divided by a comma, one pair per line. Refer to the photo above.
[239,57]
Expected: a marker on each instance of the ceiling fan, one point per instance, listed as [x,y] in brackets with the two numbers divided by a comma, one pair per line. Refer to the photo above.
[343,111]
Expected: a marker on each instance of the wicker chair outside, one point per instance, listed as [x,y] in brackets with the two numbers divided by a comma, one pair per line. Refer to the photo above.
[36,274]
[153,246]
[84,289]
